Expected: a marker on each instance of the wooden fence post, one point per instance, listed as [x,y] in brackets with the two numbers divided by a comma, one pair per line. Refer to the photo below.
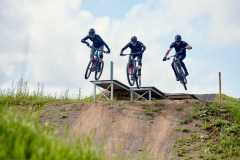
[79,93]
[111,77]
[220,88]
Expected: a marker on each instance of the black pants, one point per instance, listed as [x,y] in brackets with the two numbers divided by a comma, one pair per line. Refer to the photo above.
[181,57]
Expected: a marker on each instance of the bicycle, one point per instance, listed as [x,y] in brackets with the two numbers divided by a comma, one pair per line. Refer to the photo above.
[179,70]
[96,64]
[132,70]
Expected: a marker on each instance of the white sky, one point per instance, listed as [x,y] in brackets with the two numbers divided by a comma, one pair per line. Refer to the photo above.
[40,41]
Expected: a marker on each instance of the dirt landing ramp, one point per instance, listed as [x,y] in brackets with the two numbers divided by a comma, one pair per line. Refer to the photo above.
[132,129]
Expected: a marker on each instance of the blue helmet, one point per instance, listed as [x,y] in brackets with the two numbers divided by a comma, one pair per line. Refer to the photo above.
[91,32]
[178,38]
[133,39]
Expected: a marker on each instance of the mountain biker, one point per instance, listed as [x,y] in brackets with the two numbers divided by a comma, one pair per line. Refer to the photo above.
[97,43]
[137,49]
[180,48]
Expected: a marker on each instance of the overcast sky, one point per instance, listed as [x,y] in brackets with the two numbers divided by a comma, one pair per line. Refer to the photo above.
[40,41]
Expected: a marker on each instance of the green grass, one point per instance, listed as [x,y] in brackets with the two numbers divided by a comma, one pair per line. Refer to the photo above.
[221,125]
[233,105]
[185,146]
[22,136]
[180,129]
[152,111]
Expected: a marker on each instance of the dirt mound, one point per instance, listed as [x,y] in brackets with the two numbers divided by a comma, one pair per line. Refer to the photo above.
[126,129]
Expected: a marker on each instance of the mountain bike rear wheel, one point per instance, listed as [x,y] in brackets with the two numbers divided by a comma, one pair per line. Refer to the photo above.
[99,70]
[181,76]
[184,85]
[184,82]
[138,81]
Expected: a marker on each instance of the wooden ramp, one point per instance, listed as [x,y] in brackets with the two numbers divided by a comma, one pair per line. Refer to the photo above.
[114,89]
[149,93]
[124,92]
[120,90]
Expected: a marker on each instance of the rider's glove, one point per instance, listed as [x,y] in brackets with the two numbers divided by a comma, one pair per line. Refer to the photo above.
[164,58]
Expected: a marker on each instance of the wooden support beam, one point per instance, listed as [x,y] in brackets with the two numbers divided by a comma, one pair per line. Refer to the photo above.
[149,95]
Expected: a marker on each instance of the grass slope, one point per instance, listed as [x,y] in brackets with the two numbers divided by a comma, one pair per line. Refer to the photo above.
[219,135]
[22,137]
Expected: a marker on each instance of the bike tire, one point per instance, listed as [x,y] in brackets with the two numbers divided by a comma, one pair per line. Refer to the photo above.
[131,82]
[99,73]
[184,85]
[184,82]
[88,70]
[138,81]
[181,76]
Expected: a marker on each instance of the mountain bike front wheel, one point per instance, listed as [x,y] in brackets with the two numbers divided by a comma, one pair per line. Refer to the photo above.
[130,74]
[88,70]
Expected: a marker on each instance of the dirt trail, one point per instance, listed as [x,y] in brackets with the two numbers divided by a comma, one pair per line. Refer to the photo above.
[127,129]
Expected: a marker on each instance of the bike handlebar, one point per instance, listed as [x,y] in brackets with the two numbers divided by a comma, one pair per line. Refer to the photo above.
[138,53]
[102,50]
[168,58]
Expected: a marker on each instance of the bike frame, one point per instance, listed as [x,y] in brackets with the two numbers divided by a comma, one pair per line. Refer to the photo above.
[95,59]
[175,59]
[177,62]
[95,64]
[133,61]
[132,69]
